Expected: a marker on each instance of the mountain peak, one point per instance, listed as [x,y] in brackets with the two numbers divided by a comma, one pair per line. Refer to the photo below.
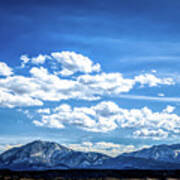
[44,144]
[45,155]
[38,141]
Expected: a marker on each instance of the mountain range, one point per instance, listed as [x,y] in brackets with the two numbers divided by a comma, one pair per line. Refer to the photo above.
[42,155]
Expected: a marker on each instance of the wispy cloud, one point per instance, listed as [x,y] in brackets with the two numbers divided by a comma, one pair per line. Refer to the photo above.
[5,147]
[150,98]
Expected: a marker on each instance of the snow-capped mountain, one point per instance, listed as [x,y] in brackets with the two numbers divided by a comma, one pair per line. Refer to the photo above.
[163,153]
[47,155]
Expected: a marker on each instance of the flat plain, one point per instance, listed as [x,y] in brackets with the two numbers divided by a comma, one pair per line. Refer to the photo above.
[88,174]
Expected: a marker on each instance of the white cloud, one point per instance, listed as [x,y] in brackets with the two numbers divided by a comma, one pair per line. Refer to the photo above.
[108,148]
[40,59]
[44,111]
[115,83]
[10,100]
[50,123]
[63,107]
[107,145]
[5,70]
[40,85]
[169,109]
[52,88]
[161,94]
[153,71]
[25,59]
[145,118]
[150,98]
[153,134]
[15,90]
[111,83]
[107,116]
[27,113]
[5,147]
[72,62]
[90,119]
[152,80]
[44,86]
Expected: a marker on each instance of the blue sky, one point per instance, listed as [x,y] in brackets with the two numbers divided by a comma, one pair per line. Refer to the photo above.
[92,75]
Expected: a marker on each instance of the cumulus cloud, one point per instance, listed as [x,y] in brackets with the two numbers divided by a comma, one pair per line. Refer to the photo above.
[25,59]
[10,100]
[90,119]
[107,116]
[40,59]
[152,80]
[72,62]
[40,85]
[153,134]
[52,88]
[115,83]
[107,83]
[169,109]
[51,123]
[44,86]
[5,70]
[15,90]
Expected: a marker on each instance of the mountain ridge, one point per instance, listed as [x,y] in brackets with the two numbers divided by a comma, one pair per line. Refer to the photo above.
[163,152]
[40,155]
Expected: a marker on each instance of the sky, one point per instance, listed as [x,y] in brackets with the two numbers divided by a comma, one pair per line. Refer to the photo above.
[91,75]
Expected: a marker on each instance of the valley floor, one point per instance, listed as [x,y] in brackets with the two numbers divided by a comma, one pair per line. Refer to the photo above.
[90,175]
